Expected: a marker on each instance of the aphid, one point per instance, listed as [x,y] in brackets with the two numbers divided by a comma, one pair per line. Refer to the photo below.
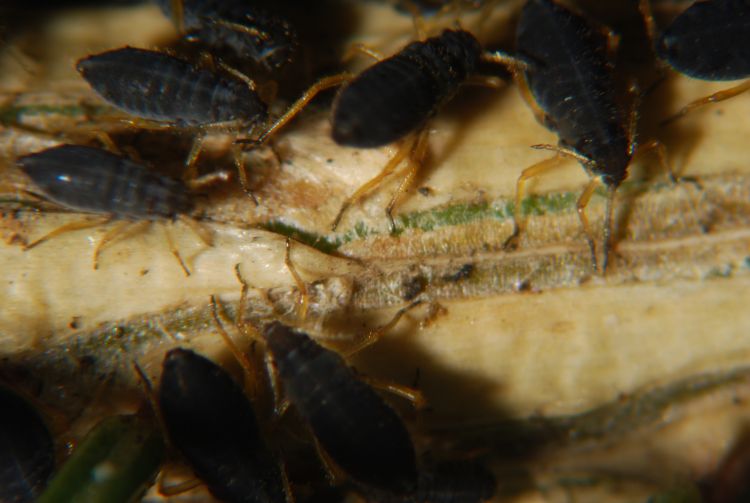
[353,425]
[569,74]
[95,181]
[393,99]
[212,423]
[116,461]
[162,88]
[27,454]
[708,41]
[249,31]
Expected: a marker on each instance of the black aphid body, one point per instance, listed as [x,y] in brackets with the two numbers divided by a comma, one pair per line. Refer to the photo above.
[456,482]
[213,425]
[710,40]
[93,180]
[399,94]
[571,79]
[157,86]
[27,455]
[245,29]
[353,424]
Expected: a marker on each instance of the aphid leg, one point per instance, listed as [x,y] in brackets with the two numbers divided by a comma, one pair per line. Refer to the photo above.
[413,395]
[644,6]
[191,167]
[175,489]
[178,14]
[241,357]
[321,85]
[289,495]
[204,234]
[242,172]
[519,220]
[608,226]
[333,472]
[120,229]
[303,295]
[69,227]
[581,204]
[175,251]
[517,67]
[485,81]
[416,18]
[714,98]
[404,149]
[374,335]
[355,49]
[416,156]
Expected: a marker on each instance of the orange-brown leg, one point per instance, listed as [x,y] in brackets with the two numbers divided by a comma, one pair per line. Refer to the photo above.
[314,90]
[413,395]
[120,229]
[175,252]
[178,14]
[714,98]
[404,149]
[519,220]
[581,204]
[303,295]
[355,49]
[69,227]
[376,334]
[200,230]
[416,156]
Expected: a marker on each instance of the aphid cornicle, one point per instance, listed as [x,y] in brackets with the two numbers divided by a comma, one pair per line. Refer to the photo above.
[709,40]
[93,180]
[570,76]
[249,31]
[392,100]
[27,455]
[165,89]
[353,425]
[212,423]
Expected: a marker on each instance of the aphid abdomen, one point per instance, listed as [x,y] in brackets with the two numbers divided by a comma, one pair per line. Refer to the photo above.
[709,41]
[94,180]
[398,95]
[213,424]
[27,455]
[160,87]
[353,424]
[571,79]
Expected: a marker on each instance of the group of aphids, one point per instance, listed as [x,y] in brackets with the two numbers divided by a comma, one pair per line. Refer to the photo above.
[564,63]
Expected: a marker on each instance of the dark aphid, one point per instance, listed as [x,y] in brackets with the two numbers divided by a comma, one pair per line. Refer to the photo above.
[212,423]
[246,30]
[710,40]
[397,95]
[353,425]
[93,180]
[157,86]
[27,454]
[394,99]
[116,462]
[570,76]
